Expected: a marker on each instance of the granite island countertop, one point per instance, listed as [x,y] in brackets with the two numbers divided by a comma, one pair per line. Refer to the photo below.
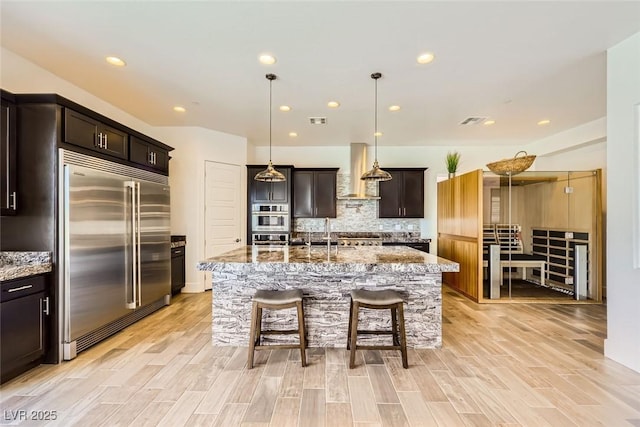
[14,265]
[321,260]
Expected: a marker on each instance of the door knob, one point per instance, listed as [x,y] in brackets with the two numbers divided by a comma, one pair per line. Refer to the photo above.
[237,240]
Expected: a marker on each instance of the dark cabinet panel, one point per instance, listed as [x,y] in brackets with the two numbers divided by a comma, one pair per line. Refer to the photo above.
[303,200]
[144,153]
[87,132]
[24,312]
[269,192]
[403,196]
[8,159]
[314,193]
[178,270]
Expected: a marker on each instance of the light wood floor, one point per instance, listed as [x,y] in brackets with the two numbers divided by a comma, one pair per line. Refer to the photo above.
[506,364]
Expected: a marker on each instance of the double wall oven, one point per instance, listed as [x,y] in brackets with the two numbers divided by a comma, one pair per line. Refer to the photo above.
[270,223]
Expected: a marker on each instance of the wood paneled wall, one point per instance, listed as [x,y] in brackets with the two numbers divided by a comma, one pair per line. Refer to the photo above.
[460,231]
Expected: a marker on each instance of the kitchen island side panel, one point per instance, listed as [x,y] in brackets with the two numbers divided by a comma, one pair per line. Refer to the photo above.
[326,306]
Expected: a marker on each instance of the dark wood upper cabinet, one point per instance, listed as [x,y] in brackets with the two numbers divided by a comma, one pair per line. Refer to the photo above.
[89,133]
[403,196]
[8,157]
[314,193]
[147,154]
[268,192]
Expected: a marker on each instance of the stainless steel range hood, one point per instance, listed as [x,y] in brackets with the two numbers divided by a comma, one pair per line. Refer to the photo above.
[359,165]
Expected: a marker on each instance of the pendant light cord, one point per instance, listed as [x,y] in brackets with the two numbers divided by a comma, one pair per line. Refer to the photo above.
[375,126]
[270,108]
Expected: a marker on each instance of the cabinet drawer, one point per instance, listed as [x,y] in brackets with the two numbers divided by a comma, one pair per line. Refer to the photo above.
[22,287]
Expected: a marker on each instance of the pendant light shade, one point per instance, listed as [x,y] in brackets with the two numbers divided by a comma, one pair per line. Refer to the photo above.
[270,174]
[376,174]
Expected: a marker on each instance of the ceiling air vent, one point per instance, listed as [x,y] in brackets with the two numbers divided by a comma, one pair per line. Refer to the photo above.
[318,120]
[473,120]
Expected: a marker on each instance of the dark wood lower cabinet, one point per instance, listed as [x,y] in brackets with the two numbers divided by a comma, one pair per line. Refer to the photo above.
[24,325]
[178,270]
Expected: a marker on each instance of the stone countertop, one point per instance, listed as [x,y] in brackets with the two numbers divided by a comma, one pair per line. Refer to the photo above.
[319,259]
[14,265]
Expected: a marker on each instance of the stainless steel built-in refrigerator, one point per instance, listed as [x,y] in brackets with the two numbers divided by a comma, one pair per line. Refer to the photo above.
[116,255]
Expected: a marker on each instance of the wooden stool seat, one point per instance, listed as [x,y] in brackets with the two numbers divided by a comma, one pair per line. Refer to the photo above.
[377,300]
[276,300]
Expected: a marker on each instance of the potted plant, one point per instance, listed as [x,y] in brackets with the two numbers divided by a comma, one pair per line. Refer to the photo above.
[453,158]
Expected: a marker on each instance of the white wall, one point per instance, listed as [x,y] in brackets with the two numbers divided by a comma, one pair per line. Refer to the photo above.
[192,147]
[623,281]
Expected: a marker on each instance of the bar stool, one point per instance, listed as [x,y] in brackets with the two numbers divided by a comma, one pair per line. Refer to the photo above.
[377,300]
[276,300]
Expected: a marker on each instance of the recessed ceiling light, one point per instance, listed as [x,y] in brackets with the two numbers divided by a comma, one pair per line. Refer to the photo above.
[285,108]
[425,58]
[179,109]
[489,122]
[114,60]
[544,122]
[394,108]
[333,104]
[267,59]
[293,134]
[377,134]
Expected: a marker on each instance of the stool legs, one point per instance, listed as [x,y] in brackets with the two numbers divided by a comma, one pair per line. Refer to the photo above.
[256,331]
[403,336]
[303,334]
[353,330]
[255,321]
[397,332]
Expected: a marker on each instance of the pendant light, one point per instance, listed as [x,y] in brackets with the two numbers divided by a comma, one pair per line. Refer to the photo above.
[376,174]
[270,174]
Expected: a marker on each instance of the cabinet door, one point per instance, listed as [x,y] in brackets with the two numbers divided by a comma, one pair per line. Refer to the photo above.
[280,190]
[303,203]
[80,130]
[143,153]
[325,194]
[8,160]
[114,142]
[87,132]
[268,192]
[390,201]
[413,194]
[22,325]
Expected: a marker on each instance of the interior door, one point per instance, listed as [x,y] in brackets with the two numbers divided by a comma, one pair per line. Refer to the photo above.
[223,209]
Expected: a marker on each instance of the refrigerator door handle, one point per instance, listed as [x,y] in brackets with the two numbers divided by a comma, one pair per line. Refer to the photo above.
[133,303]
[138,265]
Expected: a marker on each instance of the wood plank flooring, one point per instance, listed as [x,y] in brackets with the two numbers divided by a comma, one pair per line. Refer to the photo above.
[500,365]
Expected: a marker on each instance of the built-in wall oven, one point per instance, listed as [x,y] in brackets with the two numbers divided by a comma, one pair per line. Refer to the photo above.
[270,223]
[272,218]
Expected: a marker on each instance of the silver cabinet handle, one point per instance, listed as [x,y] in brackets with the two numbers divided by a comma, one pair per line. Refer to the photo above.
[151,157]
[399,211]
[13,201]
[21,288]
[99,143]
[46,306]
[404,210]
[106,141]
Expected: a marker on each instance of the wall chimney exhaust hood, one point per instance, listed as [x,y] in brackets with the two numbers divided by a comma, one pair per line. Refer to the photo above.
[357,187]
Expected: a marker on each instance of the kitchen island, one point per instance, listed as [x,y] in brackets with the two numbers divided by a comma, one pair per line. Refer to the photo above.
[326,277]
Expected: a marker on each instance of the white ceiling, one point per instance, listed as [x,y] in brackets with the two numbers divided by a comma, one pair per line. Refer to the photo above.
[515,62]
